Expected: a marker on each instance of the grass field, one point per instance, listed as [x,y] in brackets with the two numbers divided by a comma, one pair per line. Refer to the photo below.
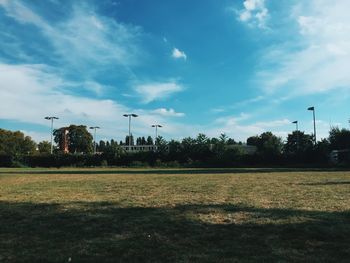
[135,215]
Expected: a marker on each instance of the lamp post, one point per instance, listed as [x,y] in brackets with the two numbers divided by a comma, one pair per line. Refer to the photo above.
[313,111]
[51,118]
[129,116]
[297,130]
[94,128]
[156,126]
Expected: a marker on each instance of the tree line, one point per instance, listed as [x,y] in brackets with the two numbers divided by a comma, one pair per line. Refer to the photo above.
[299,149]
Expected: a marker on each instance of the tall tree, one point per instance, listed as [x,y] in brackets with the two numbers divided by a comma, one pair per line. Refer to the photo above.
[149,141]
[131,140]
[339,138]
[15,143]
[101,147]
[161,144]
[78,138]
[267,144]
[44,147]
[298,142]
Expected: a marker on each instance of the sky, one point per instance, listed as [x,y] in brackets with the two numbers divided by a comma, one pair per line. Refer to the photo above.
[239,67]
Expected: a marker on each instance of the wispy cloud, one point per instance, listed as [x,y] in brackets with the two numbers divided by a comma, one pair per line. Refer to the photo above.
[168,112]
[84,38]
[36,91]
[178,54]
[254,13]
[319,60]
[157,91]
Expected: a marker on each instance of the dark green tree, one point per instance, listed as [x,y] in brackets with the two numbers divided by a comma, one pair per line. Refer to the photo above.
[44,147]
[298,142]
[149,141]
[267,144]
[16,143]
[131,140]
[80,140]
[101,147]
[162,144]
[339,139]
[78,137]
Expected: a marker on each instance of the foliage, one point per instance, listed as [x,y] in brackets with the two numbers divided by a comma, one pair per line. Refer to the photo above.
[339,139]
[200,151]
[44,147]
[15,143]
[78,138]
[131,140]
[267,144]
[298,143]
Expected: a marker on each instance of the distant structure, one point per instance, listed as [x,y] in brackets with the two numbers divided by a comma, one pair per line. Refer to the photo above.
[246,149]
[339,156]
[64,142]
[139,148]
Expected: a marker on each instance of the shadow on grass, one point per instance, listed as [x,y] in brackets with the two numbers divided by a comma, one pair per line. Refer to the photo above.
[105,232]
[328,183]
[167,171]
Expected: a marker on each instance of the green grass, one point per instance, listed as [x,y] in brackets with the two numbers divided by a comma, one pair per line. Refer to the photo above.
[174,215]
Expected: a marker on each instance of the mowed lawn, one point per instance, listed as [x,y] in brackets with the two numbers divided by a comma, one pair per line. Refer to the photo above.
[136,215]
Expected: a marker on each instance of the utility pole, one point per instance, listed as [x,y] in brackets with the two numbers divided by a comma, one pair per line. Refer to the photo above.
[156,126]
[313,111]
[94,128]
[129,116]
[51,118]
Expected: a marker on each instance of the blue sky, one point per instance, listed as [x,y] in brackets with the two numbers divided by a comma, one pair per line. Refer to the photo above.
[239,67]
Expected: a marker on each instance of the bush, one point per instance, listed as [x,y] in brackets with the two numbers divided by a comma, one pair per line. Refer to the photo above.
[6,160]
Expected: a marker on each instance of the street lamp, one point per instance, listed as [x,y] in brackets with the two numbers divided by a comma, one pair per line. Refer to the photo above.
[313,111]
[51,118]
[95,128]
[297,130]
[156,126]
[129,116]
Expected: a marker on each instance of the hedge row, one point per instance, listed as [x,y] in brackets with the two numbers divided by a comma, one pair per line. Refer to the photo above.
[156,159]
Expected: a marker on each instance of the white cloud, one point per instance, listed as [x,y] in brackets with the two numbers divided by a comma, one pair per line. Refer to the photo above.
[254,13]
[22,14]
[234,127]
[31,92]
[36,92]
[87,42]
[319,60]
[84,39]
[177,54]
[168,112]
[157,91]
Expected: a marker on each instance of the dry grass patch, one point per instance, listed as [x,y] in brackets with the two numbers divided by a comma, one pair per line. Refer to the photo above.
[109,215]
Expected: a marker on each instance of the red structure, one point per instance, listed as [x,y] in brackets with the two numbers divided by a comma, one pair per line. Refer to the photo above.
[64,141]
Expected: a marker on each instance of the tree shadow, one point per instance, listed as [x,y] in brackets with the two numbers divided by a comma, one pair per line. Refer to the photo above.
[106,232]
[168,171]
[327,183]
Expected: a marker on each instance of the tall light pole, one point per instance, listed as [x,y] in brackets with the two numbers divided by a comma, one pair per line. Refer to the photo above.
[94,128]
[313,111]
[156,126]
[129,116]
[297,130]
[51,118]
